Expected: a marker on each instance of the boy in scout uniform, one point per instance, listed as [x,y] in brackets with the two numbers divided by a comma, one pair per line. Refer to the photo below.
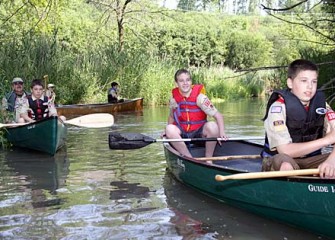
[298,124]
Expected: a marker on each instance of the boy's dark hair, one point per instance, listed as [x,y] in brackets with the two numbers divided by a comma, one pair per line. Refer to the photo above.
[300,65]
[114,84]
[38,82]
[179,72]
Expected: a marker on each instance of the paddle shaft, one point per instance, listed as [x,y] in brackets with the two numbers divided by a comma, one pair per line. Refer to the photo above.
[271,174]
[223,158]
[207,139]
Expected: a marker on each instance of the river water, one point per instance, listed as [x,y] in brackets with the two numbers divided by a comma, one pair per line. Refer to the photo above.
[87,191]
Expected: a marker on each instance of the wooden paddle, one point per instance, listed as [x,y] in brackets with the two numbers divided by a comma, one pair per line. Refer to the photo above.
[223,158]
[45,78]
[271,174]
[127,141]
[95,120]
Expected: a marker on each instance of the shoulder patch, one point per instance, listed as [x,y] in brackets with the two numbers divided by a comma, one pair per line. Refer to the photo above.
[278,123]
[276,109]
[330,115]
[279,126]
[207,103]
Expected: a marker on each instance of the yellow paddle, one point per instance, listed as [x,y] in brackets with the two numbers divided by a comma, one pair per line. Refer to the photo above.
[95,120]
[271,174]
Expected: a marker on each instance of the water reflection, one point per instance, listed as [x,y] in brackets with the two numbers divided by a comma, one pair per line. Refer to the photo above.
[125,190]
[33,179]
[38,171]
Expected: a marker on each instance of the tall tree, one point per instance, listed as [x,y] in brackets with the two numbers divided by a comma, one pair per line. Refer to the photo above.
[126,14]
[118,10]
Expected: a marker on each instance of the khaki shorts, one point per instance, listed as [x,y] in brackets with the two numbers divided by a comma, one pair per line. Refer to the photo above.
[274,163]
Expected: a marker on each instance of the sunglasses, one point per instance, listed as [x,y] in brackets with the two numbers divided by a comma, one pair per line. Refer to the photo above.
[18,83]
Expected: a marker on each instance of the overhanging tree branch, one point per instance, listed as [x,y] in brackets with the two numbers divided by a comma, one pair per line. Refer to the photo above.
[283,9]
[277,67]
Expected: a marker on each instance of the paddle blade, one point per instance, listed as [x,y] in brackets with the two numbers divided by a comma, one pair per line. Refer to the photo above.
[126,141]
[95,120]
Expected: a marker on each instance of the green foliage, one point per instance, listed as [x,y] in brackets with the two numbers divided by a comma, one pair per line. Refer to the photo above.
[246,50]
[223,83]
[79,50]
[159,81]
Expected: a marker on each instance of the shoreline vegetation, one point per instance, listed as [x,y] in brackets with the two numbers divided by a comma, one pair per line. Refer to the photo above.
[82,52]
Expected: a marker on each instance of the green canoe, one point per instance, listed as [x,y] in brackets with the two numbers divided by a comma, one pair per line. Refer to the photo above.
[305,202]
[46,136]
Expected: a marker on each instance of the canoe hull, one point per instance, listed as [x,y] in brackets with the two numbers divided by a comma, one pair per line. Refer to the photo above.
[82,109]
[305,202]
[46,136]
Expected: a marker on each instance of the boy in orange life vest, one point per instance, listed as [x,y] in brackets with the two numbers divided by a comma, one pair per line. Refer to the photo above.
[188,116]
[295,122]
[37,106]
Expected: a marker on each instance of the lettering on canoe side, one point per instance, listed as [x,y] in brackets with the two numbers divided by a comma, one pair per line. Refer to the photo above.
[181,164]
[321,189]
[31,127]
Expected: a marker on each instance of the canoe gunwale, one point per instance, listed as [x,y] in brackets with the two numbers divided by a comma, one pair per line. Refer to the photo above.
[229,170]
[97,104]
[131,105]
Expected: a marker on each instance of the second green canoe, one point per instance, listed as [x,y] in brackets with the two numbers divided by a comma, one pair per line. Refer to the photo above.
[47,135]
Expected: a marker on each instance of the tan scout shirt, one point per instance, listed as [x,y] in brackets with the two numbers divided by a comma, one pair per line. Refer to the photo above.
[18,103]
[277,131]
[24,107]
[203,102]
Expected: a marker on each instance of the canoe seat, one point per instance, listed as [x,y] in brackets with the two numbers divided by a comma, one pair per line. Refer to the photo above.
[248,165]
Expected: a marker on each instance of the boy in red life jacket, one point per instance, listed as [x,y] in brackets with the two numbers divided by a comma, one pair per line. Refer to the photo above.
[298,124]
[188,116]
[37,106]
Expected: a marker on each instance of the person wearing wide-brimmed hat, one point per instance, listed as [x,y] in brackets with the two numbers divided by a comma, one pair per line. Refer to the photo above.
[50,92]
[13,99]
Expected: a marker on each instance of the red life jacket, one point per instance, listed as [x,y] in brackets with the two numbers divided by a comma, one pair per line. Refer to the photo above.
[188,116]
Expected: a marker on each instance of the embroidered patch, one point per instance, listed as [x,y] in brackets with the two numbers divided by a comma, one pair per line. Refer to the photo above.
[276,109]
[321,111]
[330,115]
[278,125]
[208,103]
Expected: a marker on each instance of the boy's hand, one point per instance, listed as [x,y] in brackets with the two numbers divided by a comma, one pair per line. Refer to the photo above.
[327,169]
[224,137]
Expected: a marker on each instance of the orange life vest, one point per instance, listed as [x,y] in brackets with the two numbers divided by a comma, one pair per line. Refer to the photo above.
[188,116]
